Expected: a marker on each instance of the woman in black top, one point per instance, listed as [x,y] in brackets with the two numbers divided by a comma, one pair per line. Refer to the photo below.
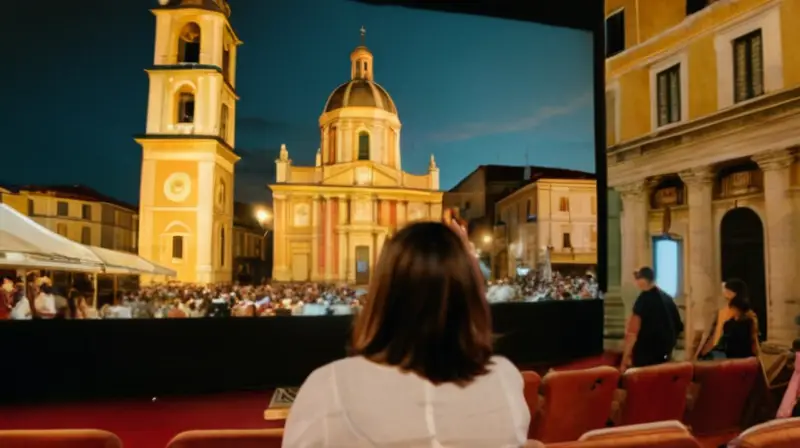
[739,333]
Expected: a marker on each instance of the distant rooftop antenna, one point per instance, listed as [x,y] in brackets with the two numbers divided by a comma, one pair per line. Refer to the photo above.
[526,173]
[363,36]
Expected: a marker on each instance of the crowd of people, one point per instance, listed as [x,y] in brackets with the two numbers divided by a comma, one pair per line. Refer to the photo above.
[40,299]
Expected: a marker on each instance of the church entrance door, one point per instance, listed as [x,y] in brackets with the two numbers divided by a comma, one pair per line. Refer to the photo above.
[300,267]
[742,253]
[362,265]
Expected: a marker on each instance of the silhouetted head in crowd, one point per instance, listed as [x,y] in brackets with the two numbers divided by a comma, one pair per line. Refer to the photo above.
[733,287]
[645,278]
[425,311]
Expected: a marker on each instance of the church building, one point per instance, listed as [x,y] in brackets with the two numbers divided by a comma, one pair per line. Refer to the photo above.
[186,196]
[331,219]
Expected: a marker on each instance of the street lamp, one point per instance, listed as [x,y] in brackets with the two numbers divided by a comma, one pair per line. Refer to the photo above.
[263,216]
[487,239]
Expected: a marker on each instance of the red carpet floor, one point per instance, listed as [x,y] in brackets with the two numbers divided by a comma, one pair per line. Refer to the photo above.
[151,424]
[147,424]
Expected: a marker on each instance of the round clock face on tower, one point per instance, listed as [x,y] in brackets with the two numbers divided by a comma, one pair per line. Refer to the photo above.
[177,187]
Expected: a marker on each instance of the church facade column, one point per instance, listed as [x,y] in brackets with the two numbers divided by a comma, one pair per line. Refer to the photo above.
[348,141]
[635,234]
[344,249]
[702,290]
[315,231]
[402,213]
[780,230]
[329,236]
[280,224]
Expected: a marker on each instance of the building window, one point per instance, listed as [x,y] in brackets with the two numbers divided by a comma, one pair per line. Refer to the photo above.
[222,246]
[615,33]
[189,44]
[62,208]
[668,84]
[594,205]
[61,229]
[86,235]
[226,62]
[693,6]
[257,247]
[566,240]
[528,209]
[593,236]
[31,207]
[185,107]
[363,145]
[563,204]
[748,67]
[86,212]
[177,247]
[332,145]
[223,122]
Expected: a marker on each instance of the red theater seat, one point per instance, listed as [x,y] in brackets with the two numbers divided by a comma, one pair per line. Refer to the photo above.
[59,438]
[654,394]
[532,383]
[670,434]
[773,434]
[724,387]
[234,438]
[573,403]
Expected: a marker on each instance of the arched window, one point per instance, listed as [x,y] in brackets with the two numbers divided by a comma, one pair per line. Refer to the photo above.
[189,44]
[363,145]
[332,145]
[223,122]
[222,246]
[226,62]
[185,106]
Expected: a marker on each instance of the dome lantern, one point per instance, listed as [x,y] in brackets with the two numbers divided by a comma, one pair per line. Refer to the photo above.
[361,61]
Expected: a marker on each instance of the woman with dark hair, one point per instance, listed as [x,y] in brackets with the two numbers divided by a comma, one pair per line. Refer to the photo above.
[736,326]
[422,373]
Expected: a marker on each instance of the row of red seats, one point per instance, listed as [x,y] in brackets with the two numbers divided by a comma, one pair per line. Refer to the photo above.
[671,434]
[708,396]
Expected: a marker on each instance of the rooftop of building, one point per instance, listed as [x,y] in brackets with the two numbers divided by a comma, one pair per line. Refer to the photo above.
[76,192]
[510,173]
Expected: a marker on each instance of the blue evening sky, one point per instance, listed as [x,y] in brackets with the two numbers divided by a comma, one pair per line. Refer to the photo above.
[470,90]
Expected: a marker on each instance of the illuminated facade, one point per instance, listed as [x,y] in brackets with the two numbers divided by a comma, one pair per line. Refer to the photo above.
[703,106]
[186,198]
[331,219]
[558,216]
[78,213]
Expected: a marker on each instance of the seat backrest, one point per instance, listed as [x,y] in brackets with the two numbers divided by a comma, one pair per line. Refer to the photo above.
[656,393]
[59,438]
[772,434]
[669,434]
[244,438]
[724,389]
[532,382]
[574,402]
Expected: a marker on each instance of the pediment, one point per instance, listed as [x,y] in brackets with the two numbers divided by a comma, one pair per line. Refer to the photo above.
[366,174]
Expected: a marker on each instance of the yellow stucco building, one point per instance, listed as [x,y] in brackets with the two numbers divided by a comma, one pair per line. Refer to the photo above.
[331,219]
[703,106]
[551,218]
[186,197]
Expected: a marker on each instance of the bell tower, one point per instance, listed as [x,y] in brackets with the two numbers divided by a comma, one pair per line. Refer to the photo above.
[188,157]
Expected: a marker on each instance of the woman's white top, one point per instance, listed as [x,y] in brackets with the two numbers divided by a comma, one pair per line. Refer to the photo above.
[357,403]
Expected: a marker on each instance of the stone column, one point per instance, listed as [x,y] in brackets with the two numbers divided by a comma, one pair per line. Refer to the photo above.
[635,235]
[402,213]
[343,249]
[315,237]
[280,223]
[701,303]
[329,236]
[780,230]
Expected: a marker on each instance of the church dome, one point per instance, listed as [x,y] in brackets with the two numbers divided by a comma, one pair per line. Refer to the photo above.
[360,93]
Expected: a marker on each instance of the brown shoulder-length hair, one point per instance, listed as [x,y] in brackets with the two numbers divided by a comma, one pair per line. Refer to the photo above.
[425,311]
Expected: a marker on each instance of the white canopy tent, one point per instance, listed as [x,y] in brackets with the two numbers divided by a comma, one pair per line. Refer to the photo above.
[125,263]
[21,235]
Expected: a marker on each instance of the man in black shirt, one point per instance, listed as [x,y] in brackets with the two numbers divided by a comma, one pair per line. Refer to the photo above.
[653,329]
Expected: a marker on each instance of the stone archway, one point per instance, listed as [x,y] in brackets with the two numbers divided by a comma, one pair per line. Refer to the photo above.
[742,257]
